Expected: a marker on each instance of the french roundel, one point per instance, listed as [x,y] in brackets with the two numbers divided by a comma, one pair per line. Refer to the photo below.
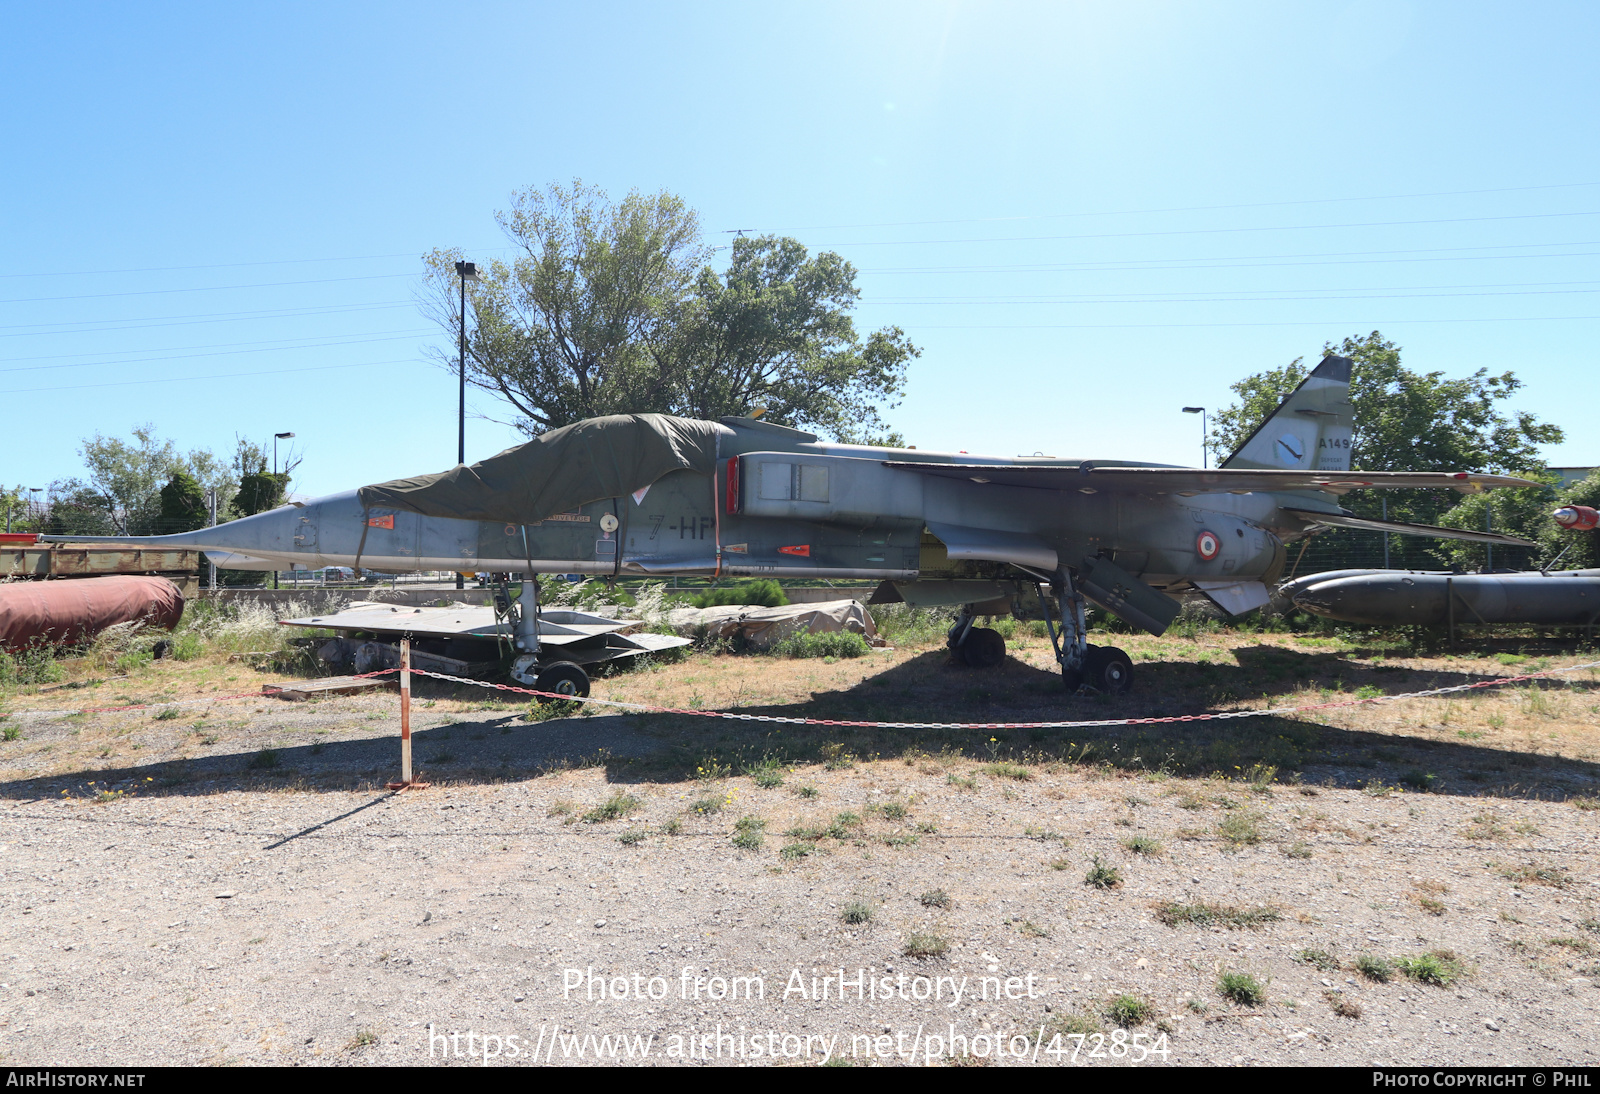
[1207,545]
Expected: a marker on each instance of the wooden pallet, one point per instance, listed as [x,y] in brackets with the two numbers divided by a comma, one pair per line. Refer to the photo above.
[328,685]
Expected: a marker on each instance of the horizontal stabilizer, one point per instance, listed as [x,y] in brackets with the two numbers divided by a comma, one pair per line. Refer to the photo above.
[1341,520]
[1235,597]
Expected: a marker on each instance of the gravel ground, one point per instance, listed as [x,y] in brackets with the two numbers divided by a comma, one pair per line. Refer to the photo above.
[232,916]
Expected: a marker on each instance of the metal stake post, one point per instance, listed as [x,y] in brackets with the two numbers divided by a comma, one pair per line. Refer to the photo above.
[406,781]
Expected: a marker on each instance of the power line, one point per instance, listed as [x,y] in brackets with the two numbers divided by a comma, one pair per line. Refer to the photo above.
[201,318]
[226,353]
[203,288]
[235,265]
[213,376]
[1209,231]
[1359,324]
[1188,208]
[208,266]
[1186,263]
[1201,298]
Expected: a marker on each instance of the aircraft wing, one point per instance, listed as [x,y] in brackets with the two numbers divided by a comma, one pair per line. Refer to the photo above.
[1091,478]
[1341,520]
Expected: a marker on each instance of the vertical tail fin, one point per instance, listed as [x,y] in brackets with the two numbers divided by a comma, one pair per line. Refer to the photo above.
[1310,430]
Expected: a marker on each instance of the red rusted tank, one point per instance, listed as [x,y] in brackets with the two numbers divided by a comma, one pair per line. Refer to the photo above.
[76,608]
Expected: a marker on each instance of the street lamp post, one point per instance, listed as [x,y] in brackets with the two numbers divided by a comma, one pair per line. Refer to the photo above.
[1204,456]
[466,271]
[276,437]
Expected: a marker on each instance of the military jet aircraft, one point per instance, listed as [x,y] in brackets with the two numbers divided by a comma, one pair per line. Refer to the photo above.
[655,496]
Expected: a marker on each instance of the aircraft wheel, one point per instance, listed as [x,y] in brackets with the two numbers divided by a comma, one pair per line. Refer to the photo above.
[563,678]
[983,649]
[1108,669]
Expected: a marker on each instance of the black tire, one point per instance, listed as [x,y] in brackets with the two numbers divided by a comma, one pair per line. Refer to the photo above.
[983,648]
[563,678]
[1109,670]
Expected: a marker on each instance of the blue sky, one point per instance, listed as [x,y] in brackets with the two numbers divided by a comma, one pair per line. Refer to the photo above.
[1087,215]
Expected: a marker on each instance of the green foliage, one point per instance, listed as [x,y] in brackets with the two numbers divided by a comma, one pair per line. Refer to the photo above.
[126,479]
[1201,914]
[78,509]
[1102,875]
[1127,1011]
[1242,988]
[775,332]
[1321,960]
[36,664]
[1524,513]
[921,944]
[747,834]
[259,491]
[826,644]
[1582,548]
[768,594]
[618,805]
[935,898]
[856,913]
[1241,829]
[610,308]
[183,504]
[1404,421]
[1375,968]
[904,625]
[1439,968]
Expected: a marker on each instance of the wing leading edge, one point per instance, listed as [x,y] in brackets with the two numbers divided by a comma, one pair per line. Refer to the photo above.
[1090,478]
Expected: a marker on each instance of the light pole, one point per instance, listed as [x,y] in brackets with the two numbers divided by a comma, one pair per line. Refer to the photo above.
[276,437]
[1200,410]
[466,271]
[211,503]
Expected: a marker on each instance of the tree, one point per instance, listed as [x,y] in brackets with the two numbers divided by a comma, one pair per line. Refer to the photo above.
[561,332]
[1582,549]
[78,509]
[775,332]
[259,491]
[611,309]
[183,504]
[129,476]
[1404,421]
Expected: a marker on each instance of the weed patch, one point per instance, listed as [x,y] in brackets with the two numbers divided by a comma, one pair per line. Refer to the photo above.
[1242,988]
[617,806]
[1102,875]
[1174,914]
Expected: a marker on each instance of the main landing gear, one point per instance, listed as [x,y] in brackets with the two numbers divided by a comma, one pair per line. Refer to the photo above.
[1105,669]
[531,667]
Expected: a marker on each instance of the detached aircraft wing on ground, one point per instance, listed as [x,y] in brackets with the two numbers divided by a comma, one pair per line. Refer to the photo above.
[656,496]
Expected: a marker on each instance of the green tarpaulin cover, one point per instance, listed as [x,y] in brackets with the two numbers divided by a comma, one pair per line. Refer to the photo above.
[565,468]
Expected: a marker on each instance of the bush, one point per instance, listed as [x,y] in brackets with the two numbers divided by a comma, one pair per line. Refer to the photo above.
[1102,875]
[1242,988]
[36,664]
[768,594]
[827,644]
[1127,1011]
[1438,967]
[903,625]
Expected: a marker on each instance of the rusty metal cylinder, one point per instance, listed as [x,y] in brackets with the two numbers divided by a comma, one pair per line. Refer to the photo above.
[70,610]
